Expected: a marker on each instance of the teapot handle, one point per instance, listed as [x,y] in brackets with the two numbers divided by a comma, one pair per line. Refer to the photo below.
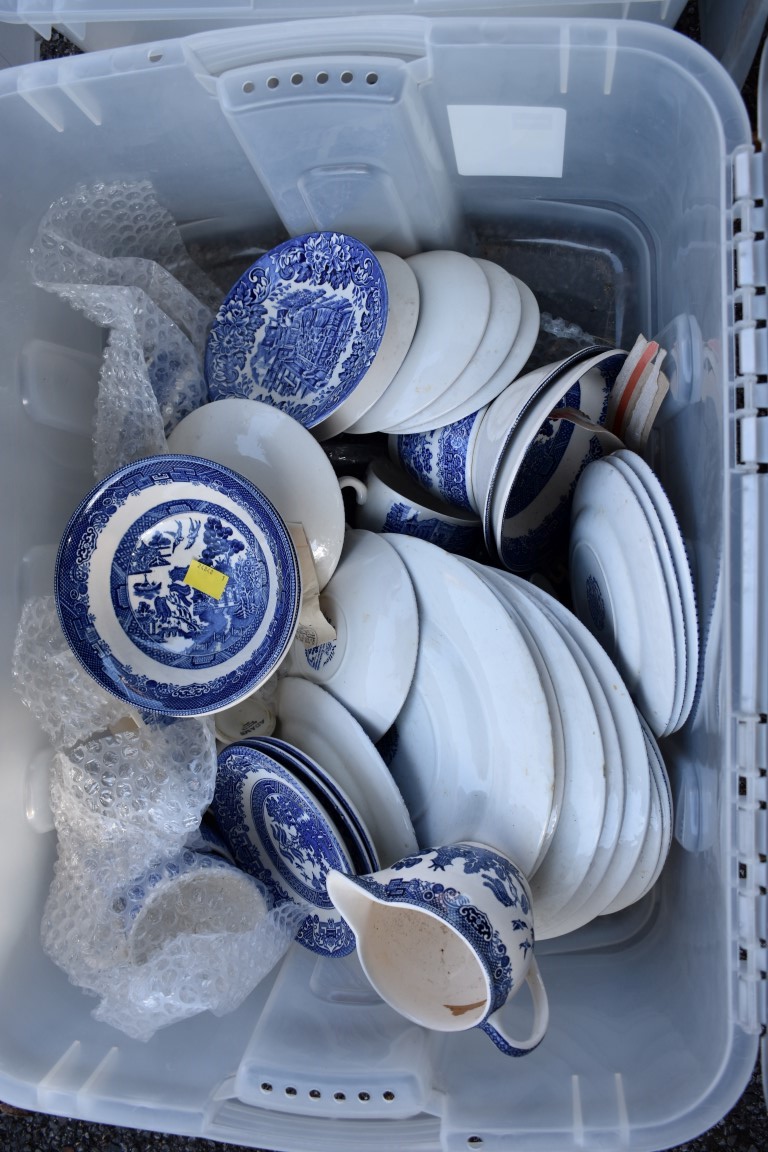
[495,1030]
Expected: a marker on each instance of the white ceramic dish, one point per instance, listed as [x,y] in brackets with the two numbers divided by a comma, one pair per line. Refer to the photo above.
[674,540]
[402,317]
[474,756]
[501,418]
[497,342]
[527,334]
[497,524]
[619,591]
[640,879]
[659,772]
[280,457]
[633,762]
[371,603]
[673,588]
[583,898]
[577,835]
[455,301]
[312,720]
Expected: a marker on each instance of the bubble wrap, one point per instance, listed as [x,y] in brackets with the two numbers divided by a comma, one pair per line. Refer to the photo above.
[181,937]
[68,704]
[116,255]
[147,787]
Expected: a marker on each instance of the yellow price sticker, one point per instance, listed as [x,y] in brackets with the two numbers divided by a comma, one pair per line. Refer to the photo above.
[206,579]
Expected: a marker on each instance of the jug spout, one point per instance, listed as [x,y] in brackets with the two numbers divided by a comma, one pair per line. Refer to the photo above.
[350,898]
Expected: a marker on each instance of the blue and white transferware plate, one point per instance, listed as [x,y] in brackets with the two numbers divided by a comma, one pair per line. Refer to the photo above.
[177,585]
[301,327]
[279,833]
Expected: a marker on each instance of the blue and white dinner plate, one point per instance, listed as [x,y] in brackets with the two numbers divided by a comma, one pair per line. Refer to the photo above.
[178,585]
[279,833]
[301,327]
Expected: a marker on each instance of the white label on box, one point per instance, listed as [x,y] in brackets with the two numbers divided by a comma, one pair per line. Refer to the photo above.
[507,140]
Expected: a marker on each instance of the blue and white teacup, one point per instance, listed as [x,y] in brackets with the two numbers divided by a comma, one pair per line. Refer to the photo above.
[440,460]
[446,938]
[390,501]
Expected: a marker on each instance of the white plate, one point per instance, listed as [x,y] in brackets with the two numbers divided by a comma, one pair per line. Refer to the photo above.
[455,302]
[499,337]
[659,772]
[520,437]
[619,591]
[573,847]
[527,334]
[402,317]
[673,587]
[474,756]
[281,458]
[371,603]
[638,883]
[315,722]
[634,763]
[676,545]
[583,899]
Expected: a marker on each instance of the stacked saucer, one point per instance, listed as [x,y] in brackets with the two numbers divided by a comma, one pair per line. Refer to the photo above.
[286,822]
[631,585]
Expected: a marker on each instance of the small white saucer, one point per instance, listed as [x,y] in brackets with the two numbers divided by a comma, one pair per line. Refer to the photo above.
[619,591]
[499,336]
[312,720]
[281,458]
[454,306]
[674,541]
[371,604]
[402,317]
[527,335]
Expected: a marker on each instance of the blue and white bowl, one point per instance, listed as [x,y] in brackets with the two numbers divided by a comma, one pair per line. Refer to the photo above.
[282,835]
[178,585]
[441,460]
[301,327]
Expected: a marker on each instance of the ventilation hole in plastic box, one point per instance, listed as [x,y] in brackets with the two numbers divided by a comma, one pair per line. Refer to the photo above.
[297,78]
[372,78]
[249,86]
[474,1141]
[742,955]
[265,1087]
[322,77]
[388,1095]
[339,1095]
[290,1091]
[315,1093]
[273,82]
[742,785]
[347,77]
[154,56]
[742,871]
[363,1096]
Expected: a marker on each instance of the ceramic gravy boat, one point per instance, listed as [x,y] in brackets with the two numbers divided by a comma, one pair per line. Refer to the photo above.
[446,937]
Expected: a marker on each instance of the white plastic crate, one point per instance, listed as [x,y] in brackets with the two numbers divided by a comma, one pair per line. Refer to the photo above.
[656,1012]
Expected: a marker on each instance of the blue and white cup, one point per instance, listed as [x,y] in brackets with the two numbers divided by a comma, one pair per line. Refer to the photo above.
[390,501]
[446,938]
[440,460]
[188,893]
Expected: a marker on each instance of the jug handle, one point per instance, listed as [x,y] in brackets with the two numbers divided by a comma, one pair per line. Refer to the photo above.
[504,1042]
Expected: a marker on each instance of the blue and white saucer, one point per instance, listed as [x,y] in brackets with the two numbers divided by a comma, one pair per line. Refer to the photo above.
[328,793]
[177,585]
[279,833]
[301,327]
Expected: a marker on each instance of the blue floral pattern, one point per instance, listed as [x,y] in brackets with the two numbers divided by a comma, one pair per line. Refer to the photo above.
[320,655]
[457,538]
[180,626]
[301,327]
[277,833]
[455,908]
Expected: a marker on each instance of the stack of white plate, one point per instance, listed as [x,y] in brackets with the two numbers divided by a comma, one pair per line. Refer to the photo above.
[471,328]
[518,732]
[631,585]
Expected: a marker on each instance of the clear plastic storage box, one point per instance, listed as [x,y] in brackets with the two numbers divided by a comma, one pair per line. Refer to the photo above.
[621,157]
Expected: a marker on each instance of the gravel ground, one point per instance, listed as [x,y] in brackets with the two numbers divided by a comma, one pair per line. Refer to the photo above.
[744,1129]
